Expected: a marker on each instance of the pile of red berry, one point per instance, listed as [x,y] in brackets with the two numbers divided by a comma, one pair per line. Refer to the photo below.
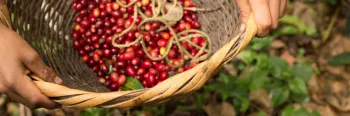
[98,22]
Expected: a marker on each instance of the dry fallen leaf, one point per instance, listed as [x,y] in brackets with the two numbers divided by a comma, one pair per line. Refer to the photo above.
[261,97]
[338,95]
[71,111]
[339,71]
[343,113]
[12,108]
[222,109]
[306,13]
[337,45]
[117,112]
[287,56]
[276,44]
[316,89]
[246,71]
[231,70]
[57,112]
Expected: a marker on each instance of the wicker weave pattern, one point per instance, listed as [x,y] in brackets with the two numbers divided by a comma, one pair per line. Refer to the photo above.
[47,25]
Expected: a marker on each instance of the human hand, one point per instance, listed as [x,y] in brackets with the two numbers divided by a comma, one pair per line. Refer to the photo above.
[265,12]
[17,59]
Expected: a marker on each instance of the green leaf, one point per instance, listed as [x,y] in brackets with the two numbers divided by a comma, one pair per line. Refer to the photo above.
[240,98]
[274,83]
[247,56]
[224,78]
[301,26]
[300,98]
[310,31]
[294,20]
[286,30]
[278,66]
[315,113]
[347,30]
[302,112]
[332,2]
[342,59]
[244,82]
[214,87]
[303,71]
[258,83]
[241,66]
[262,61]
[245,105]
[261,43]
[309,0]
[261,113]
[298,86]
[279,96]
[131,84]
[288,111]
[301,52]
[199,98]
[224,95]
[258,79]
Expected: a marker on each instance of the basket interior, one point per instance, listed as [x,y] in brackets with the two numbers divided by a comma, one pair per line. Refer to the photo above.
[47,26]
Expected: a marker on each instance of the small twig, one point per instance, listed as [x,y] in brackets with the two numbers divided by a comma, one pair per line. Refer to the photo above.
[331,24]
[128,112]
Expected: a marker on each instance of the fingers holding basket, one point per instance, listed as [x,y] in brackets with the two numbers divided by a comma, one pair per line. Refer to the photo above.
[34,63]
[32,95]
[266,13]
[275,12]
[283,6]
[262,14]
[16,58]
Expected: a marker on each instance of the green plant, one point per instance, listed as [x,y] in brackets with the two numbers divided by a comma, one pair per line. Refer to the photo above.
[342,59]
[290,111]
[258,70]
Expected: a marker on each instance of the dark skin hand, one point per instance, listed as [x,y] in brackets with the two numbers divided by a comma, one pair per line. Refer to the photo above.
[17,59]
[266,13]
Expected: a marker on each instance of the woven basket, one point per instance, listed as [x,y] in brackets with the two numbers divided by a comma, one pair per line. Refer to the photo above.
[47,26]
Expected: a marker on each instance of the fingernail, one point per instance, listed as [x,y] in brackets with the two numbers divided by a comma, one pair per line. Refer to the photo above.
[58,80]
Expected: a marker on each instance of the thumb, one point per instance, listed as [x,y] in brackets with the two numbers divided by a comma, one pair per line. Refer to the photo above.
[34,63]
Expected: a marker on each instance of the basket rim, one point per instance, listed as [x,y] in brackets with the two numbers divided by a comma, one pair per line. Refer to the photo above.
[84,99]
[162,92]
